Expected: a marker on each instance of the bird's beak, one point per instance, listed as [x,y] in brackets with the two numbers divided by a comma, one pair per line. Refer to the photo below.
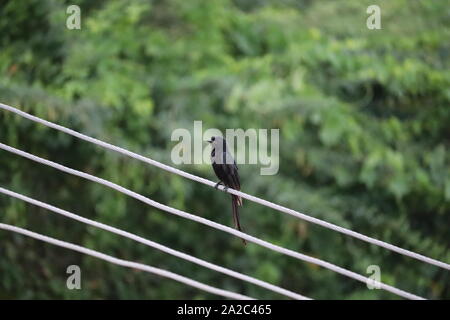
[209,141]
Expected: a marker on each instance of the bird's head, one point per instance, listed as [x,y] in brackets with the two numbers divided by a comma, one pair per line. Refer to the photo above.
[217,141]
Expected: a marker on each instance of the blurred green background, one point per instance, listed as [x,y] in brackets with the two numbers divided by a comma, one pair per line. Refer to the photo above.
[364,122]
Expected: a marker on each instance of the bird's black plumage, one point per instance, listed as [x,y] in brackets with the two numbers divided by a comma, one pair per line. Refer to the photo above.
[226,170]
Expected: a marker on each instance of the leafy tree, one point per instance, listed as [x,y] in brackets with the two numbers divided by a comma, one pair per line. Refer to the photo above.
[363,118]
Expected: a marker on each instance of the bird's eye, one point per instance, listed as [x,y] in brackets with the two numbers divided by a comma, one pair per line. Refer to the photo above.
[213,138]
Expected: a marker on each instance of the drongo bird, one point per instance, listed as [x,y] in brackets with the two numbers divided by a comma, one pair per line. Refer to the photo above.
[226,170]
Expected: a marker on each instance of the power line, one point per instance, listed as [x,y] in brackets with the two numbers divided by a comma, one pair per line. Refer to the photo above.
[210,223]
[126,263]
[155,245]
[263,202]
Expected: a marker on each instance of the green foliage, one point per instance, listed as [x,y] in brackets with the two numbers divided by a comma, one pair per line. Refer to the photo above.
[364,124]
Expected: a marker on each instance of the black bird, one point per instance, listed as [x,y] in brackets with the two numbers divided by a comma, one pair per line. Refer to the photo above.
[226,170]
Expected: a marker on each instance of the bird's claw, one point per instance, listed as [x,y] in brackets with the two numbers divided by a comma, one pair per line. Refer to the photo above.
[225,188]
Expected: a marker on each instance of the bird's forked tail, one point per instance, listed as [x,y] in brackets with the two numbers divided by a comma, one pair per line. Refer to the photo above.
[235,203]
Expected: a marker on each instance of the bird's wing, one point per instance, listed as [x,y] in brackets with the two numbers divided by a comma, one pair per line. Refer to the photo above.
[233,176]
[220,172]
